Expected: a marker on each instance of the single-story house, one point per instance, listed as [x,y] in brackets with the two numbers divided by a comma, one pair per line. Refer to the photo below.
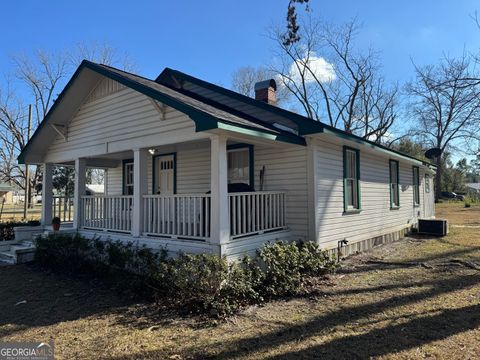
[473,189]
[6,194]
[194,167]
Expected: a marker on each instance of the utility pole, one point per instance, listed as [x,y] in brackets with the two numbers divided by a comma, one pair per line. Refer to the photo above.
[26,198]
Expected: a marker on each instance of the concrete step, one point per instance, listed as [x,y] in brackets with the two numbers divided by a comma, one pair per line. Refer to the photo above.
[7,257]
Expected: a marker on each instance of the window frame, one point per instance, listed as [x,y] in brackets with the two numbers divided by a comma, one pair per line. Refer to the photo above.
[427,183]
[416,185]
[251,164]
[394,203]
[346,208]
[125,163]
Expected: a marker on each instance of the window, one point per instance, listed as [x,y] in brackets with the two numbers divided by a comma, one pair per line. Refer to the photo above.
[351,178]
[240,164]
[416,185]
[128,177]
[427,183]
[394,185]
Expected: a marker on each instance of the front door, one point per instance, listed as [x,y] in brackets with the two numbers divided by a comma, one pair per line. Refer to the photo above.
[164,174]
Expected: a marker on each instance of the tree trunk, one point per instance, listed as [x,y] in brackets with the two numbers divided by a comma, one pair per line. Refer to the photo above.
[438,178]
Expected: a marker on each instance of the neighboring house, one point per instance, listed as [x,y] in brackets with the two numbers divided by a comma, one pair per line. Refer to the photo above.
[95,189]
[473,189]
[198,168]
[6,194]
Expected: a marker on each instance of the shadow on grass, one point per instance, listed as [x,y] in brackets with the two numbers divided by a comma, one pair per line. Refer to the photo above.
[413,332]
[30,297]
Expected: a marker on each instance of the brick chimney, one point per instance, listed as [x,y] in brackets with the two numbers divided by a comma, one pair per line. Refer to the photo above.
[266,91]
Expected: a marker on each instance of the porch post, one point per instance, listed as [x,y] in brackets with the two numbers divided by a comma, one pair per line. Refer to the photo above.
[79,191]
[47,192]
[220,226]
[140,188]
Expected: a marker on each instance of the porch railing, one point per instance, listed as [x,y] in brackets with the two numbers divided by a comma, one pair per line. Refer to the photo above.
[184,216]
[256,212]
[62,207]
[109,213]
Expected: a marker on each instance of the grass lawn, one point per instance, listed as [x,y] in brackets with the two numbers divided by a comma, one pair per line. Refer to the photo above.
[417,298]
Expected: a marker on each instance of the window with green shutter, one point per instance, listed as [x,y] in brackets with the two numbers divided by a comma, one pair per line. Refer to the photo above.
[351,179]
[416,186]
[394,185]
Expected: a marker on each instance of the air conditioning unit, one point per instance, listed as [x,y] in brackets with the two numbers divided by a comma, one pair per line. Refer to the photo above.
[436,227]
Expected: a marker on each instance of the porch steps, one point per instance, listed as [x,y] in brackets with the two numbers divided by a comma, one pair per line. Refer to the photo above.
[17,253]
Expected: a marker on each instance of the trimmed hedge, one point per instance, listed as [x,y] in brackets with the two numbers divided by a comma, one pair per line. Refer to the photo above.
[6,228]
[201,283]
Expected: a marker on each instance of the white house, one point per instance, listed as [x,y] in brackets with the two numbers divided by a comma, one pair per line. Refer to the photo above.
[198,168]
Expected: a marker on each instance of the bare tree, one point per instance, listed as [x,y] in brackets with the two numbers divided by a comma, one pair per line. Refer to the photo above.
[42,76]
[446,104]
[245,78]
[342,86]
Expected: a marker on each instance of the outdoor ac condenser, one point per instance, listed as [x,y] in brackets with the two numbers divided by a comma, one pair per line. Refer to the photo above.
[437,227]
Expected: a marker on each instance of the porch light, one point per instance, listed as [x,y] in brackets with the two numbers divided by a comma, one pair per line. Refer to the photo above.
[151,151]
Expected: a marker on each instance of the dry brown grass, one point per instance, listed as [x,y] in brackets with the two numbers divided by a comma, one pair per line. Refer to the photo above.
[458,214]
[402,301]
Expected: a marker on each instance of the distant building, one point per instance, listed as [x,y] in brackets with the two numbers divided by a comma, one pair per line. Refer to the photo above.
[473,189]
[6,194]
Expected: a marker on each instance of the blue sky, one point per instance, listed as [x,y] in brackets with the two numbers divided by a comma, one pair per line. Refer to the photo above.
[211,39]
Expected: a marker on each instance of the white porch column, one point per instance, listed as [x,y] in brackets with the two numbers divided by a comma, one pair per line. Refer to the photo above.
[47,194]
[220,227]
[79,191]
[140,188]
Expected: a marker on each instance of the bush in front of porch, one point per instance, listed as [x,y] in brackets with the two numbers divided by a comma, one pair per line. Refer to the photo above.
[7,228]
[201,283]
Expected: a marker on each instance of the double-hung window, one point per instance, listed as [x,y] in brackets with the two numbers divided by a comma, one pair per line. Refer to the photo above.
[128,177]
[240,164]
[394,185]
[351,179]
[416,186]
[427,183]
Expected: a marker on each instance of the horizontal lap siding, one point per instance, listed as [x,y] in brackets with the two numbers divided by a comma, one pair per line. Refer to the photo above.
[286,170]
[193,171]
[376,218]
[122,115]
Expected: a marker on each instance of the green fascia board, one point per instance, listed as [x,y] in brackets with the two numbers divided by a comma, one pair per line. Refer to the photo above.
[344,135]
[305,125]
[203,121]
[21,156]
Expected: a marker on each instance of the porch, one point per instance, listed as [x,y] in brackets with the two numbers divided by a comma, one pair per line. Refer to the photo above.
[209,191]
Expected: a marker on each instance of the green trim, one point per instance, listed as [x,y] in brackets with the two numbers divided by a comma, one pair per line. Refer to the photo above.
[416,185]
[346,210]
[397,164]
[255,132]
[125,162]
[427,181]
[306,126]
[251,160]
[154,177]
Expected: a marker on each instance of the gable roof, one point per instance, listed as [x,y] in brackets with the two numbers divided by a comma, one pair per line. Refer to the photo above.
[209,106]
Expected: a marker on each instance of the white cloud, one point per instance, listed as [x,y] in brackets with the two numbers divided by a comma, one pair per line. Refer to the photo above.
[320,69]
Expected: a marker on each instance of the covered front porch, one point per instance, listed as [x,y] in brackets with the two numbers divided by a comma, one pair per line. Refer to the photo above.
[207,191]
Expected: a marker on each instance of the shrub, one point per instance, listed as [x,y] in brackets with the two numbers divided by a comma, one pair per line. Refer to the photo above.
[202,283]
[6,228]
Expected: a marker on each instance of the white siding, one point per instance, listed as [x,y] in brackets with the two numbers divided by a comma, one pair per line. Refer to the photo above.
[376,217]
[286,170]
[116,122]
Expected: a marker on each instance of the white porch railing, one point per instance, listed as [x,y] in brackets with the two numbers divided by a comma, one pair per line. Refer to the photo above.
[109,213]
[256,212]
[62,207]
[178,216]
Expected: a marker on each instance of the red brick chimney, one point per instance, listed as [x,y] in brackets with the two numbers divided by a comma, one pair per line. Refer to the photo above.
[266,91]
